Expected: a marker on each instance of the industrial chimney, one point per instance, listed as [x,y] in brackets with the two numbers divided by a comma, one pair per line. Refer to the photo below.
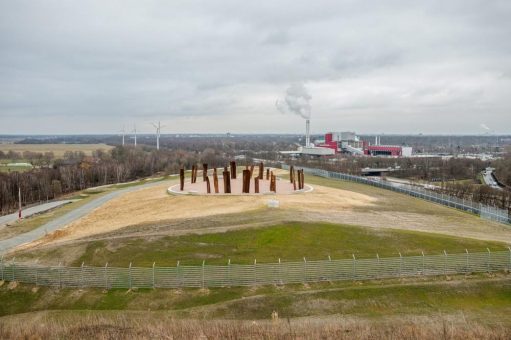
[307,133]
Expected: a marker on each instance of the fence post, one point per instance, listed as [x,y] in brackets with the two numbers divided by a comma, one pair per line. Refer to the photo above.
[489,259]
[354,266]
[129,275]
[255,272]
[466,264]
[203,265]
[60,274]
[327,271]
[509,268]
[423,268]
[400,264]
[378,266]
[13,269]
[106,276]
[2,264]
[154,276]
[179,277]
[304,270]
[229,280]
[280,272]
[445,262]
[81,276]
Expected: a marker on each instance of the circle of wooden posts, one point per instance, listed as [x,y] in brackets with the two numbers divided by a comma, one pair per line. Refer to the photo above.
[248,172]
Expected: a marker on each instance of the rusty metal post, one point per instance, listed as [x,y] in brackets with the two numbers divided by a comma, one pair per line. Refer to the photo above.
[256,185]
[204,172]
[227,182]
[215,180]
[294,184]
[299,180]
[251,170]
[246,181]
[261,170]
[267,174]
[208,185]
[303,180]
[181,179]
[291,173]
[233,169]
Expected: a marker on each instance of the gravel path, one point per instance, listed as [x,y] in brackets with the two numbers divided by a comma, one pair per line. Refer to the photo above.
[62,221]
[6,219]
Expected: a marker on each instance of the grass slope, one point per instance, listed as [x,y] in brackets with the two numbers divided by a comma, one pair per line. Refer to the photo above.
[289,241]
[472,295]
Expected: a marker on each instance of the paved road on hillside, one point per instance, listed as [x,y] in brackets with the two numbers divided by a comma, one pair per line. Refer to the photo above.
[26,212]
[62,221]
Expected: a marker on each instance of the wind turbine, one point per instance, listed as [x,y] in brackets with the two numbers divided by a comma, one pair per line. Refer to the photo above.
[123,131]
[135,131]
[158,133]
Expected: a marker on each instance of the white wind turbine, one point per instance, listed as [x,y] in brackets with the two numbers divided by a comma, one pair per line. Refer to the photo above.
[158,133]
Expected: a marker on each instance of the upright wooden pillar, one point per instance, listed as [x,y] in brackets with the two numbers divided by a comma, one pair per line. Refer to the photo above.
[246,181]
[299,180]
[267,174]
[215,180]
[291,173]
[303,180]
[273,184]
[251,170]
[204,171]
[227,182]
[233,169]
[261,170]
[208,185]
[294,184]
[256,185]
[193,174]
[181,179]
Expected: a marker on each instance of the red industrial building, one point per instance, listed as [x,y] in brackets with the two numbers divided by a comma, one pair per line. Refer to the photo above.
[349,142]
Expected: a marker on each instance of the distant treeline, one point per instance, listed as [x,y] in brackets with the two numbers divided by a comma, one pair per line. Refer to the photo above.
[76,171]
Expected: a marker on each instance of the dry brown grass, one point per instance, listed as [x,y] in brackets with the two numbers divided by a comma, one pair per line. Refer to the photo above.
[88,325]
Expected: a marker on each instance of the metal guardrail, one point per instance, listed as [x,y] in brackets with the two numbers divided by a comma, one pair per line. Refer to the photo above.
[483,210]
[256,274]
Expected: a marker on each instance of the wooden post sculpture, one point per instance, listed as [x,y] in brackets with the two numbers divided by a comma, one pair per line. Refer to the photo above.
[303,180]
[191,175]
[181,179]
[215,180]
[204,172]
[246,181]
[227,182]
[261,170]
[273,184]
[294,184]
[267,174]
[291,173]
[251,170]
[256,185]
[299,180]
[233,169]
[208,186]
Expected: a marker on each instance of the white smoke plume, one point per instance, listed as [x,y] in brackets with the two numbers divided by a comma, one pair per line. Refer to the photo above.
[297,101]
[484,126]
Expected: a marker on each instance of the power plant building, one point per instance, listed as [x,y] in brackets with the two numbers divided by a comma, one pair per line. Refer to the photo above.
[349,143]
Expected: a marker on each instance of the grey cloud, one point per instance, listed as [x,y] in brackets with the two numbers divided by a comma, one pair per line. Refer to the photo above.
[115,61]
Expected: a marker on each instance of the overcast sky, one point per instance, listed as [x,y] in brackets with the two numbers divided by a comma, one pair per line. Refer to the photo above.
[219,66]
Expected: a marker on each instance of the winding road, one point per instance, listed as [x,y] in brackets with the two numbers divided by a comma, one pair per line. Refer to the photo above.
[62,221]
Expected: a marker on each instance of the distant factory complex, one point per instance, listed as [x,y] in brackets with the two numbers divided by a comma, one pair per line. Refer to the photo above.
[348,143]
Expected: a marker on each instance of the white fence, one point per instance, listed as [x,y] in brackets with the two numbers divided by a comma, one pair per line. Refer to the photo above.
[485,211]
[256,274]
